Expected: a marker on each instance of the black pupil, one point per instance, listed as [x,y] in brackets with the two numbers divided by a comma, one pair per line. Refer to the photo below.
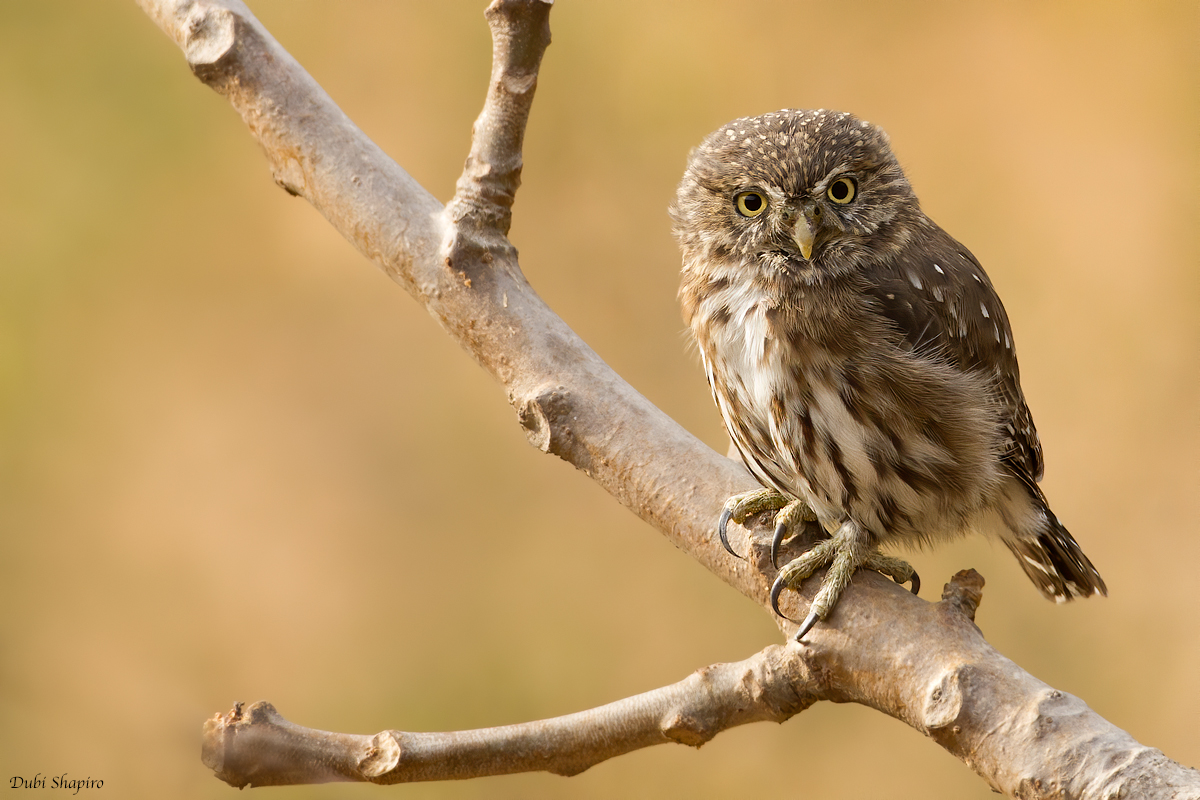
[752,202]
[840,190]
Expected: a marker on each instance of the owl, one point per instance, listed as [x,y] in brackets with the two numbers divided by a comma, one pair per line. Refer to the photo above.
[860,358]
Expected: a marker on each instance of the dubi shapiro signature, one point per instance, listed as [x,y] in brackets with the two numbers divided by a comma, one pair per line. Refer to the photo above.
[40,781]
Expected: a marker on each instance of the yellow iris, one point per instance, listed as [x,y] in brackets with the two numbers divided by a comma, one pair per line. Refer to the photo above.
[750,204]
[842,190]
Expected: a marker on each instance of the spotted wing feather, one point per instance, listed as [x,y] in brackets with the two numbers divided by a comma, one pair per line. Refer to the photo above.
[940,298]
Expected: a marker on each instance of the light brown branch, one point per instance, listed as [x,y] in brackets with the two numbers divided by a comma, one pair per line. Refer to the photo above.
[492,174]
[259,747]
[926,664]
[569,401]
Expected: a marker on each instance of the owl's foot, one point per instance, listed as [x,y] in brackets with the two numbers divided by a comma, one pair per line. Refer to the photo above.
[741,507]
[844,553]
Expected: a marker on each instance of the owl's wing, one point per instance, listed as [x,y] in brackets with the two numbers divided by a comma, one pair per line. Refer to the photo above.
[941,300]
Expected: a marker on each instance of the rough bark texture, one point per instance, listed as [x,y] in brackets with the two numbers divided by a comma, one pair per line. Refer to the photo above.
[926,664]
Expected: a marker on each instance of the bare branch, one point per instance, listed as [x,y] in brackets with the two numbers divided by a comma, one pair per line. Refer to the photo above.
[520,35]
[261,748]
[569,401]
[926,664]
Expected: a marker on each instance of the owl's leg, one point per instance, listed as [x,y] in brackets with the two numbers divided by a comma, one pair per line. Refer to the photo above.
[847,551]
[742,506]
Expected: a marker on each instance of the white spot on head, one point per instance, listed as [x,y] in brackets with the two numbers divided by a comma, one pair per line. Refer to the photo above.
[939,269]
[996,329]
[975,275]
[915,280]
[1007,341]
[983,308]
[937,293]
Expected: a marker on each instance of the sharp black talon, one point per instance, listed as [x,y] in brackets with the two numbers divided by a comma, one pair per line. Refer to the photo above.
[806,626]
[776,540]
[777,589]
[726,515]
[915,580]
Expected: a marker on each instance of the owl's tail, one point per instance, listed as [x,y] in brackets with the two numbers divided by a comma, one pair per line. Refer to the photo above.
[1055,563]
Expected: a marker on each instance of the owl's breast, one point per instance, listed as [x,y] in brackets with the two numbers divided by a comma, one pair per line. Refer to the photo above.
[846,419]
[753,371]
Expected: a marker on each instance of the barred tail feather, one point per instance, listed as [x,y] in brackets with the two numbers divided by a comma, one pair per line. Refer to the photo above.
[1055,563]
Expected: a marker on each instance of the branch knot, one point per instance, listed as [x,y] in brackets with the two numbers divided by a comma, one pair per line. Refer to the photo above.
[964,593]
[545,418]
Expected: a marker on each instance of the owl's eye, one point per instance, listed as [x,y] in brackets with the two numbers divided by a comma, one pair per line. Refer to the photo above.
[750,204]
[842,190]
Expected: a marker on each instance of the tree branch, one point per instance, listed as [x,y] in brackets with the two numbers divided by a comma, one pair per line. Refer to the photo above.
[926,664]
[569,401]
[260,747]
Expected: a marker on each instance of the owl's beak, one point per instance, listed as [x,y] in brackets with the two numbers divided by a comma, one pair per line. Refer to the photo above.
[804,233]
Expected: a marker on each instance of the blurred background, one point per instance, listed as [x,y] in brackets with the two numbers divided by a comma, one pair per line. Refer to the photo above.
[238,463]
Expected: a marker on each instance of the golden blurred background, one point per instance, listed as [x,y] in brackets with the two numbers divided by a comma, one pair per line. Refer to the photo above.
[238,463]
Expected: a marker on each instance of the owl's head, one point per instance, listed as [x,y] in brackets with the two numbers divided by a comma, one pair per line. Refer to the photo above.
[803,193]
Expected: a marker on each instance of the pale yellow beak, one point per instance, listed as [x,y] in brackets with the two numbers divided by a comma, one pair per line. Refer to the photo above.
[804,233]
